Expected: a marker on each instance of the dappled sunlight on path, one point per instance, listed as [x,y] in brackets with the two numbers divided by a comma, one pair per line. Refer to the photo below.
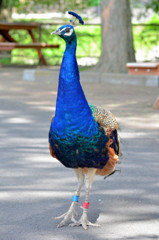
[34,187]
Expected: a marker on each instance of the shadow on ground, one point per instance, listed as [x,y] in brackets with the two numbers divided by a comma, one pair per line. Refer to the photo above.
[34,187]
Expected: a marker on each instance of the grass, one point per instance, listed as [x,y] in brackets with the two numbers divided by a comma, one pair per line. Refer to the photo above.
[89,43]
[147,37]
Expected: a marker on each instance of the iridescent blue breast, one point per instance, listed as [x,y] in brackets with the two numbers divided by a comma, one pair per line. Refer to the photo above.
[80,151]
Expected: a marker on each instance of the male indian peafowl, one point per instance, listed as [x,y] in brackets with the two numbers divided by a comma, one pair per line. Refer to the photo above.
[82,136]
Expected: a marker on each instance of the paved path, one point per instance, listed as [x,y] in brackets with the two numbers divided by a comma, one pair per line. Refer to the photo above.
[34,187]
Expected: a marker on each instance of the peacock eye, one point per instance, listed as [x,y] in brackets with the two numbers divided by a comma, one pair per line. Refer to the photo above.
[67,30]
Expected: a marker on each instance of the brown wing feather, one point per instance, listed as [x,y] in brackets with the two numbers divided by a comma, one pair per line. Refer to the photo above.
[104,117]
[109,123]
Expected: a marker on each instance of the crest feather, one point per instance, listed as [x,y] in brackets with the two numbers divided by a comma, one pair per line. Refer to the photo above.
[76,16]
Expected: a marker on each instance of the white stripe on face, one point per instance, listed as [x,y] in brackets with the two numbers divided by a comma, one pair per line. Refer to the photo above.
[69,33]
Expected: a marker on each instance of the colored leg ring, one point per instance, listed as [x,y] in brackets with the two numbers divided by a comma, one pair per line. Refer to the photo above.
[75,198]
[86,205]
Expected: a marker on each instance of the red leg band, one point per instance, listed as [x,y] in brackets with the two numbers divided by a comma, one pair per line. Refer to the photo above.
[86,205]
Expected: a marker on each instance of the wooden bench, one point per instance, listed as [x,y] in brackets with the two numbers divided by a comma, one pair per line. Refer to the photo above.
[8,43]
[8,46]
[143,68]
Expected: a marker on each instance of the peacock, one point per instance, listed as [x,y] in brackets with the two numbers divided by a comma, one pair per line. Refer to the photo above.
[82,136]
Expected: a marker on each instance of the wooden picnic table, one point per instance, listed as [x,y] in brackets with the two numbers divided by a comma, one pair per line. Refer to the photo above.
[7,42]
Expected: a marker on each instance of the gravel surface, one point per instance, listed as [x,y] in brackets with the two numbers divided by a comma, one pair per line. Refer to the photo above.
[35,188]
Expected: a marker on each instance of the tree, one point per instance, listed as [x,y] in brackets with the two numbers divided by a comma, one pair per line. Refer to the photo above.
[6,8]
[59,5]
[148,4]
[117,40]
[154,5]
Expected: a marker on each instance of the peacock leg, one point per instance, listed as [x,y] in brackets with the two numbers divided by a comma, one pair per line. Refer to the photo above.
[71,213]
[84,218]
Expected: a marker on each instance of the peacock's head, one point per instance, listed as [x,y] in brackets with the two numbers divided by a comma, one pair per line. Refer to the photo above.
[67,31]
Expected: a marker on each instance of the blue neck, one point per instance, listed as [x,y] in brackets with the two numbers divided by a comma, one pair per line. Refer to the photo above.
[72,111]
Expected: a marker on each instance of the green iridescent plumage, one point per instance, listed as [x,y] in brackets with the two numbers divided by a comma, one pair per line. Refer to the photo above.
[80,151]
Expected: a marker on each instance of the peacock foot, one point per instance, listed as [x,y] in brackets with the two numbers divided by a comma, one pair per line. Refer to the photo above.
[84,222]
[70,214]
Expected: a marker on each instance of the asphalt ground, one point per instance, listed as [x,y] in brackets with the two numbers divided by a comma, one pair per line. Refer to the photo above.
[35,188]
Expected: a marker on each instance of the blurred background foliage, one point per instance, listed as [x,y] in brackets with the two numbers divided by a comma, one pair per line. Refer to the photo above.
[147,4]
[146,35]
[89,39]
[60,5]
[64,5]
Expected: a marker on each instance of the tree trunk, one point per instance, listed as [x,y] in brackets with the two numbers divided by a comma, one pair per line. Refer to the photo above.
[5,11]
[117,39]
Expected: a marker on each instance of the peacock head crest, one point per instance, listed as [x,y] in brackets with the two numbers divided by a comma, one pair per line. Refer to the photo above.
[67,31]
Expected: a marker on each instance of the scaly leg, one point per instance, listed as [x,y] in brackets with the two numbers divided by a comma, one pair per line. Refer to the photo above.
[84,218]
[71,213]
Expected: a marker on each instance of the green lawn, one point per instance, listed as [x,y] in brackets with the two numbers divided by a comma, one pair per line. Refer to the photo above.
[89,43]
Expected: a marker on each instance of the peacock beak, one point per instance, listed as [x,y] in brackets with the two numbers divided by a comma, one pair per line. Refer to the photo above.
[57,32]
